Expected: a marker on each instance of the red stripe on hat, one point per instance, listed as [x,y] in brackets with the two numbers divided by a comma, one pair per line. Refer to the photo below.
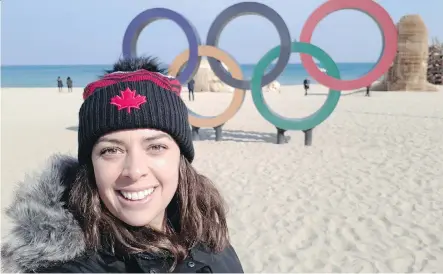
[166,82]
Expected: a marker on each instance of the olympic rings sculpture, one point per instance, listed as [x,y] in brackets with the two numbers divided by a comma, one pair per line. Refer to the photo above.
[191,58]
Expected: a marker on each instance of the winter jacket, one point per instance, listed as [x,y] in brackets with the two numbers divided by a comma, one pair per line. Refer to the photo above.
[45,237]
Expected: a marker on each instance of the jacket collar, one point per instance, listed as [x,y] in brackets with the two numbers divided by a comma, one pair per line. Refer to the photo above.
[43,230]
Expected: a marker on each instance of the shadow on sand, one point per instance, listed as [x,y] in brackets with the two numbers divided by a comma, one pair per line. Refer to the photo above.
[208,134]
[362,91]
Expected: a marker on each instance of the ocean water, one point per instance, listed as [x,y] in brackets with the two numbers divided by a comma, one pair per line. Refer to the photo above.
[46,76]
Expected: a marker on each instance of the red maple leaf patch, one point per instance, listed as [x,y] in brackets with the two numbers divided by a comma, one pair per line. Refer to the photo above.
[128,100]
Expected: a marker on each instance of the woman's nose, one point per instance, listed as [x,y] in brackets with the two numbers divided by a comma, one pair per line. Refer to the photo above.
[135,167]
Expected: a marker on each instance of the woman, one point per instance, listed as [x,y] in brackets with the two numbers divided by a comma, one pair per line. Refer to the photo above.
[306,86]
[59,84]
[131,201]
[69,84]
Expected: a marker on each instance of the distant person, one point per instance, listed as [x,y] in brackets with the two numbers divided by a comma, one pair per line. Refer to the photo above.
[306,86]
[368,89]
[69,84]
[59,84]
[191,89]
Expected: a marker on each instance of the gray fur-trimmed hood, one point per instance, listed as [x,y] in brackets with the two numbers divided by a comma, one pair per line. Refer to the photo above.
[43,231]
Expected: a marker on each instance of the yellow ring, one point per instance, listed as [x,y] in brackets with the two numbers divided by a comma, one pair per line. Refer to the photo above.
[236,72]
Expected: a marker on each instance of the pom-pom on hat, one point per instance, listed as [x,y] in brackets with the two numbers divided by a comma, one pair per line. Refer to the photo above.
[133,100]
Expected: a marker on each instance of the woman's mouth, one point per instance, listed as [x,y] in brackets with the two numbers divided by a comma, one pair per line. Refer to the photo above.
[137,195]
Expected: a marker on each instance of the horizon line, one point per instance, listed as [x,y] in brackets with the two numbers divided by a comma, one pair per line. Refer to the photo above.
[53,65]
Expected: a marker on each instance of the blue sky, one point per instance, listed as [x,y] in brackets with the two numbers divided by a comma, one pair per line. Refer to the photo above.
[91,31]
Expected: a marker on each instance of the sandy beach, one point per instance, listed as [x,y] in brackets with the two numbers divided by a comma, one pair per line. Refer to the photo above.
[367,196]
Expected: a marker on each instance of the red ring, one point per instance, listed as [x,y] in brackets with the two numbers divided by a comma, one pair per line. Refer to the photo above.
[386,25]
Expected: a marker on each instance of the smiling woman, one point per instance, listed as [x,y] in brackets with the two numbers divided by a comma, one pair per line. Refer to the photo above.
[145,156]
[132,202]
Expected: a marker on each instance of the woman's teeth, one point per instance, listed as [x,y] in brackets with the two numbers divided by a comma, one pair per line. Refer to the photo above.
[134,196]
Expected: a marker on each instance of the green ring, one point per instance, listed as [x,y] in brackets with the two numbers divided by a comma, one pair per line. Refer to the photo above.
[305,123]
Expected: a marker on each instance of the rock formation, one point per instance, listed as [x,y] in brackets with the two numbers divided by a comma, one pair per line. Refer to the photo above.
[435,63]
[409,71]
[206,80]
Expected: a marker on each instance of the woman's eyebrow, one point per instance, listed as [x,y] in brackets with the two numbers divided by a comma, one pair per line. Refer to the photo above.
[156,137]
[110,140]
[147,139]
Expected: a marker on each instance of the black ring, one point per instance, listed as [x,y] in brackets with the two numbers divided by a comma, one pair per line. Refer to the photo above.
[247,8]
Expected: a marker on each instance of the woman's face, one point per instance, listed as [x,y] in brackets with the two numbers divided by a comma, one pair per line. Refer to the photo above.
[137,173]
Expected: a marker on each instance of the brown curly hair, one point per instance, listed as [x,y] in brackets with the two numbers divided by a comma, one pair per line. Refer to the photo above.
[196,215]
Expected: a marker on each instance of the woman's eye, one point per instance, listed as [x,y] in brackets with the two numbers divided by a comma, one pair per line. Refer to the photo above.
[157,148]
[109,150]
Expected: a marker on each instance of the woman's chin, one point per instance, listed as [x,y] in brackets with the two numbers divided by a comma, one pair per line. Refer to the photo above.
[137,220]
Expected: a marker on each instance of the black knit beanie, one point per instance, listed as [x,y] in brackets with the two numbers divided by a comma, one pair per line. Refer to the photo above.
[133,100]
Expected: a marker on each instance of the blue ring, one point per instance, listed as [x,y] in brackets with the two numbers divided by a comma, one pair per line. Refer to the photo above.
[149,16]
[246,8]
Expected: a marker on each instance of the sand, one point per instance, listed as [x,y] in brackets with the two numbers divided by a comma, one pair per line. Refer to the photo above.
[367,196]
